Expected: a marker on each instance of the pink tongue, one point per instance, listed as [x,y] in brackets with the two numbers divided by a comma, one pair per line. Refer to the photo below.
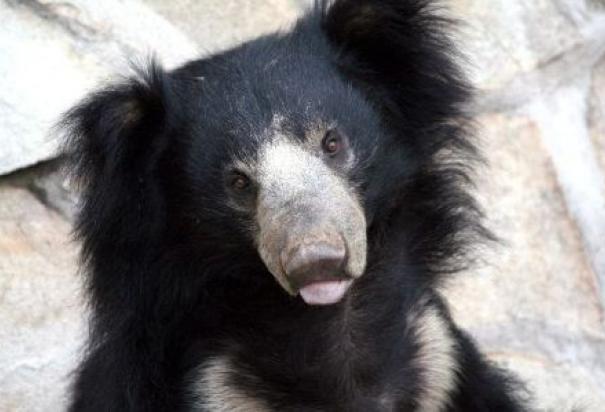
[325,293]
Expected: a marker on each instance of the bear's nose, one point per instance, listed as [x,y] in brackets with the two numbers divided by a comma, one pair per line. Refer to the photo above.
[315,260]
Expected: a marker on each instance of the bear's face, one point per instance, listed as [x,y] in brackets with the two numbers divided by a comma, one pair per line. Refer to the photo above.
[313,154]
[290,170]
[309,223]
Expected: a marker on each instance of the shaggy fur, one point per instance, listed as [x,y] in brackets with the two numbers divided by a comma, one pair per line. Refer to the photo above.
[185,314]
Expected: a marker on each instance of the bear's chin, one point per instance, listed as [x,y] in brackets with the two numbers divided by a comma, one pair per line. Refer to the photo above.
[325,292]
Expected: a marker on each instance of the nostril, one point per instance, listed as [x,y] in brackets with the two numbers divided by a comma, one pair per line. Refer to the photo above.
[312,262]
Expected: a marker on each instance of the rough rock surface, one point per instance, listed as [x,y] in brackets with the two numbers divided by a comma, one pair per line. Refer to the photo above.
[41,312]
[536,305]
[53,51]
[521,49]
[217,24]
[536,302]
[597,111]
[533,303]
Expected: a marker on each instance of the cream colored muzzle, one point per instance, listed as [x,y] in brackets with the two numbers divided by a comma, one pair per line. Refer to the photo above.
[312,229]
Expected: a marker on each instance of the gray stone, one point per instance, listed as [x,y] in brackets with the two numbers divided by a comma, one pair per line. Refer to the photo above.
[556,387]
[41,312]
[534,302]
[39,79]
[596,129]
[54,51]
[522,49]
[216,24]
[54,190]
[50,184]
[597,111]
[561,118]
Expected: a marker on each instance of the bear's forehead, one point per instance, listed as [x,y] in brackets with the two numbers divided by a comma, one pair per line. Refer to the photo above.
[251,115]
[278,149]
[246,88]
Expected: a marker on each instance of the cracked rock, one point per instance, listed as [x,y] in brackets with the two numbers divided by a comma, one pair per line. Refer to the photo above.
[54,51]
[41,312]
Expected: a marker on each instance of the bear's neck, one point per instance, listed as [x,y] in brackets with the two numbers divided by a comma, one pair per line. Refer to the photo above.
[347,347]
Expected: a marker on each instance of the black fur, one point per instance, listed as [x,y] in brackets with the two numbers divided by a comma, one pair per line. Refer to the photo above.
[172,274]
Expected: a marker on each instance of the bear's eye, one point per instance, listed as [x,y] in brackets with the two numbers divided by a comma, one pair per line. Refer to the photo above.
[239,181]
[332,142]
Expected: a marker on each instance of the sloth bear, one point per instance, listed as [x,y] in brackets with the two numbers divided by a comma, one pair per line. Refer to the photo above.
[267,228]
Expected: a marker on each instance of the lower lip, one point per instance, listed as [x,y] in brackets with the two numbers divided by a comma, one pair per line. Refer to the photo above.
[325,293]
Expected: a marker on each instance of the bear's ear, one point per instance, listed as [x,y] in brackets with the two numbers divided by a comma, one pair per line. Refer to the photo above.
[399,50]
[114,141]
[120,130]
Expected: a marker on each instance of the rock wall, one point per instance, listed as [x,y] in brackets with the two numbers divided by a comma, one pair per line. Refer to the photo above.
[535,303]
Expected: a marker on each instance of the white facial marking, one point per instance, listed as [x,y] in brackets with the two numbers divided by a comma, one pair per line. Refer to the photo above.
[214,390]
[298,191]
[436,358]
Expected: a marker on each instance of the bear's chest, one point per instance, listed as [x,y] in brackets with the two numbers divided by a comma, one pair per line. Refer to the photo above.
[411,371]
[219,385]
[216,387]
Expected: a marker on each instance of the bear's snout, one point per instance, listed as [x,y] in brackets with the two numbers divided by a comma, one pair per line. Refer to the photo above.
[311,228]
[315,266]
[314,259]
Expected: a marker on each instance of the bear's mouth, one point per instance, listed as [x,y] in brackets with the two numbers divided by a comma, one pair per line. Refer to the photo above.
[326,292]
[315,266]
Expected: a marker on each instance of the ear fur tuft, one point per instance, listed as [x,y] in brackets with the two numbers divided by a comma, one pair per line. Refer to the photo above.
[401,53]
[114,126]
[113,141]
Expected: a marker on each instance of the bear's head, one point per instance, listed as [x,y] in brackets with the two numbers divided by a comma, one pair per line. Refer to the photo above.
[309,153]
